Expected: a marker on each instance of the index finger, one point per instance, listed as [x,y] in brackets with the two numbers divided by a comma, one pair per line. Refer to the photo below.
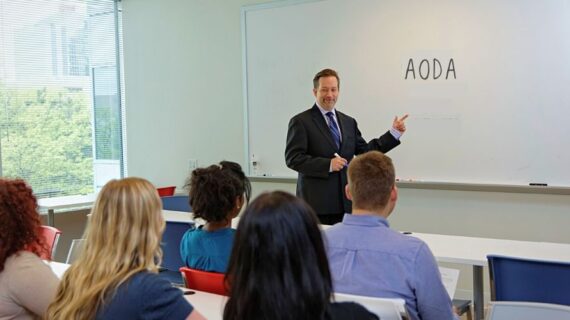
[404,117]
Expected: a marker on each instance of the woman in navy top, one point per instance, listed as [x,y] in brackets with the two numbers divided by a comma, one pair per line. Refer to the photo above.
[115,276]
[216,195]
[279,269]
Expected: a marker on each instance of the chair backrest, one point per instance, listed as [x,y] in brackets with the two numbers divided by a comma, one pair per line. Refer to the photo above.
[212,282]
[51,237]
[166,191]
[176,203]
[516,279]
[384,308]
[74,250]
[508,310]
[170,244]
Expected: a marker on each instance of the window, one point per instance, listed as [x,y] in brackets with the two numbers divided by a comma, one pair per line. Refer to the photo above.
[61,114]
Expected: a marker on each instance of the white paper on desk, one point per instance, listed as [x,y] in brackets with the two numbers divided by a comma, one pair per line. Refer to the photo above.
[57,267]
[449,278]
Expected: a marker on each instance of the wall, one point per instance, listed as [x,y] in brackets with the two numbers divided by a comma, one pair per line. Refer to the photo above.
[184,101]
[183,86]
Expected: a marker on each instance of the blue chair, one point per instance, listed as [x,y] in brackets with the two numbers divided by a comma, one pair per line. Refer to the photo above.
[176,203]
[518,279]
[170,244]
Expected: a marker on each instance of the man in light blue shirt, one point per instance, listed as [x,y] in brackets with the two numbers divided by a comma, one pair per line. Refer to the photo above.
[368,258]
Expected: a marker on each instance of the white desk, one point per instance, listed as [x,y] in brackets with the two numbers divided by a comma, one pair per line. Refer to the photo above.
[177,216]
[58,268]
[49,205]
[473,251]
[209,305]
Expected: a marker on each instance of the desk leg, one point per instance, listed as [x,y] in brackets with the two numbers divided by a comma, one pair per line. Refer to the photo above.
[50,218]
[478,299]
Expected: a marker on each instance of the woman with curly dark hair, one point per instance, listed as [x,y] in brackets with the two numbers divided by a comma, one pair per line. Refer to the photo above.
[27,285]
[217,194]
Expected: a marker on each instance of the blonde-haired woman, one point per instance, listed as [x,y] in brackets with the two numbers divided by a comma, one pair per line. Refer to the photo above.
[115,277]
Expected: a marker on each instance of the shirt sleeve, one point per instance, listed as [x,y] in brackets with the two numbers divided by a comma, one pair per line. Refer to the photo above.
[433,302]
[395,133]
[163,301]
[33,284]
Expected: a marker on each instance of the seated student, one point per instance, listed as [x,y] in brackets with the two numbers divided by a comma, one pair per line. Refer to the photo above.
[115,276]
[370,259]
[216,196]
[27,284]
[279,268]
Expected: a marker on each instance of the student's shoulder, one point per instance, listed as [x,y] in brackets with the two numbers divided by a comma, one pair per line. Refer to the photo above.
[147,280]
[143,277]
[156,297]
[408,239]
[23,262]
[335,230]
[193,231]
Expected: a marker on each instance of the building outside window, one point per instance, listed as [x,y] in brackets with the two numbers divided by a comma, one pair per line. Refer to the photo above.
[61,115]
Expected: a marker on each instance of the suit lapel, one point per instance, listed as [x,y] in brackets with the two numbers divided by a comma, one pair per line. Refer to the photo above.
[320,122]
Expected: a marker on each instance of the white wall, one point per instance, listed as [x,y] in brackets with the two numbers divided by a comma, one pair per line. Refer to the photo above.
[184,100]
[183,86]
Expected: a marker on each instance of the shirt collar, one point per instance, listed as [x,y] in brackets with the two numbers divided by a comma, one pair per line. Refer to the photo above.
[365,220]
[323,111]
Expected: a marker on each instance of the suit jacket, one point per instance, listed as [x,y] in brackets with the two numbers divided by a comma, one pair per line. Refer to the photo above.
[309,149]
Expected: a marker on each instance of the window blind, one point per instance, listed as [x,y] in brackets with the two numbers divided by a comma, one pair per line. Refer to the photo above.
[61,114]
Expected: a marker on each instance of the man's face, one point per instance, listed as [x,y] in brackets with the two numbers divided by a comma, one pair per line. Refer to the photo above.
[327,92]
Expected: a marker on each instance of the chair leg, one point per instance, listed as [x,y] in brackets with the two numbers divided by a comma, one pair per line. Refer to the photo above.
[462,307]
[468,312]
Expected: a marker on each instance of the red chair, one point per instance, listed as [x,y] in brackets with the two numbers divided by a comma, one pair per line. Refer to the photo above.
[212,282]
[166,191]
[51,237]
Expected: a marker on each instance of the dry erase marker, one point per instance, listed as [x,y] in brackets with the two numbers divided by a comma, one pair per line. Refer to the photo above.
[535,184]
[338,156]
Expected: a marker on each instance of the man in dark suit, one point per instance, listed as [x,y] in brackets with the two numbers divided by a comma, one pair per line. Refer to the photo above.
[319,142]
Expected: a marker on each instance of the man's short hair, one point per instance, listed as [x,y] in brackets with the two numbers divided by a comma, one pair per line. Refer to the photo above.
[325,73]
[371,177]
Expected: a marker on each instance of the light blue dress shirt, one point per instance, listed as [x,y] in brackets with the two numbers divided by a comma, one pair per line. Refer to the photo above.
[368,258]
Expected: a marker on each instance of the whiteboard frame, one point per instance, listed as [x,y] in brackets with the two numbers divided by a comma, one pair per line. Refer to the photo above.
[451,186]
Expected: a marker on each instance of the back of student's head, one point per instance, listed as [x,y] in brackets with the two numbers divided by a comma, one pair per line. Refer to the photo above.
[19,220]
[278,268]
[122,238]
[214,190]
[371,177]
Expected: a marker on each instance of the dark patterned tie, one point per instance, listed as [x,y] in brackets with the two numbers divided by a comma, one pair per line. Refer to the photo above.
[334,129]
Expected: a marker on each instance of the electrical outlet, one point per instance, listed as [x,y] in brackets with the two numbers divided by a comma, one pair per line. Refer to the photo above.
[192,164]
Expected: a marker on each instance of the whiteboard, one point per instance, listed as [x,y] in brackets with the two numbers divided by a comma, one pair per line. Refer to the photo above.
[501,118]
